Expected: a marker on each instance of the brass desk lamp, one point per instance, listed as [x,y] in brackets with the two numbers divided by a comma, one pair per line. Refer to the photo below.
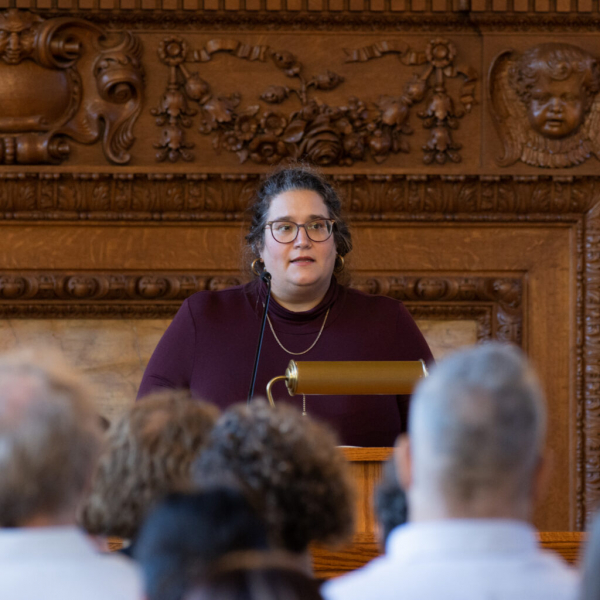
[350,377]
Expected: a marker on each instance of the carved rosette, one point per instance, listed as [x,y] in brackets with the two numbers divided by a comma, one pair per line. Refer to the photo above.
[319,133]
[92,82]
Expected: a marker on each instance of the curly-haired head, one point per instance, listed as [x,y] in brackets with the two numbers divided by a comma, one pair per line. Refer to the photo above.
[290,469]
[295,178]
[148,454]
[557,61]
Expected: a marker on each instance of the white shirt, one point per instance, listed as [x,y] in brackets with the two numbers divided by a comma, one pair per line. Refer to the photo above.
[469,559]
[60,563]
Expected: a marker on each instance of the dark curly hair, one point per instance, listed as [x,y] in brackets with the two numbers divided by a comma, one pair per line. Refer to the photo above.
[559,61]
[148,454]
[187,533]
[287,179]
[289,468]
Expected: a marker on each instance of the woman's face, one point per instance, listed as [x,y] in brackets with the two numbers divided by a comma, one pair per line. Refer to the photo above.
[302,266]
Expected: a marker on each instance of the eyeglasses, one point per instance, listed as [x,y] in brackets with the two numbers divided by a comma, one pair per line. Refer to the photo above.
[285,232]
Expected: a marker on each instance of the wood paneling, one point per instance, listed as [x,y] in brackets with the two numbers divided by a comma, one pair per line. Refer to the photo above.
[405,104]
[542,256]
[381,115]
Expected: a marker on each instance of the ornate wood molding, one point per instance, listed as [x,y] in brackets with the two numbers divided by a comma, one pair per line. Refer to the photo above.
[580,396]
[506,294]
[494,302]
[382,19]
[192,20]
[208,197]
[92,88]
[590,413]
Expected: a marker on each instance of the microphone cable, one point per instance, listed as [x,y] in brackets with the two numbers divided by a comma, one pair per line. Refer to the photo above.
[266,277]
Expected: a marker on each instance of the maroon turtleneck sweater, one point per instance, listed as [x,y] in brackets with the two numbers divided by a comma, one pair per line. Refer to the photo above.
[210,345]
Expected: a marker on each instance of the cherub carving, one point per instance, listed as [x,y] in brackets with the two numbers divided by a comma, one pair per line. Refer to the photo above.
[545,105]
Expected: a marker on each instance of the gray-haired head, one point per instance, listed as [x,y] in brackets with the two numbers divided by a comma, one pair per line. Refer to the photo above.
[477,428]
[49,440]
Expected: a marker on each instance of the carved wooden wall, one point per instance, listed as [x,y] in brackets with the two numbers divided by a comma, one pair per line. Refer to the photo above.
[463,134]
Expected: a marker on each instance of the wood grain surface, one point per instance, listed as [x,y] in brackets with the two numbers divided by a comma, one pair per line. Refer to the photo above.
[366,454]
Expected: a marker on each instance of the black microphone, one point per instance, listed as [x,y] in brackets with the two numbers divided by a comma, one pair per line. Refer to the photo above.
[266,277]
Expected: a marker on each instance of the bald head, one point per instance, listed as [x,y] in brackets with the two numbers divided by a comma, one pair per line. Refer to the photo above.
[49,438]
[477,428]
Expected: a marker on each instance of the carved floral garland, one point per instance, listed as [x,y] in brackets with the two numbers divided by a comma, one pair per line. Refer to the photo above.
[322,134]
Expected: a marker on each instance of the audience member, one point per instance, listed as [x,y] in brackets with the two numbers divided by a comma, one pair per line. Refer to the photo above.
[288,467]
[193,530]
[390,502]
[590,587]
[148,454]
[49,442]
[256,576]
[472,471]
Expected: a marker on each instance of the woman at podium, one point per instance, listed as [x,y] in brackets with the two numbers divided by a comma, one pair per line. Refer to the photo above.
[298,235]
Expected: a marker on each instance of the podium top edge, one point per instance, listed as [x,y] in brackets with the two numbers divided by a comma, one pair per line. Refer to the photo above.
[366,454]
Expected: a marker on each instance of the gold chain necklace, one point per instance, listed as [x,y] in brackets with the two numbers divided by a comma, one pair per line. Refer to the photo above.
[304,413]
[308,349]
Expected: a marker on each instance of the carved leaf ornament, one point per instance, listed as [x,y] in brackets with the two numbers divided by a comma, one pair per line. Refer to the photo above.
[92,82]
[322,134]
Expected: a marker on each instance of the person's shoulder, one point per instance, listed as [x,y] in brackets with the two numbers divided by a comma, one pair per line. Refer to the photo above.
[372,301]
[375,580]
[83,573]
[547,575]
[214,298]
[122,573]
[556,569]
[119,563]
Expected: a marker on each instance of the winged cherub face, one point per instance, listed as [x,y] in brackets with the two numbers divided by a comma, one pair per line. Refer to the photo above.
[557,108]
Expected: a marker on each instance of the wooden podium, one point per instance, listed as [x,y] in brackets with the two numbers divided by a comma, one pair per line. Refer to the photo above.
[366,466]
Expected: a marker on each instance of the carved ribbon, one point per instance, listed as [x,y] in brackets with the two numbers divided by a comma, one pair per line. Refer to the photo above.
[379,49]
[238,49]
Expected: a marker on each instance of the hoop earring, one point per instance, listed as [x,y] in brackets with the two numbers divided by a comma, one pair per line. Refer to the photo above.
[253,266]
[339,267]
